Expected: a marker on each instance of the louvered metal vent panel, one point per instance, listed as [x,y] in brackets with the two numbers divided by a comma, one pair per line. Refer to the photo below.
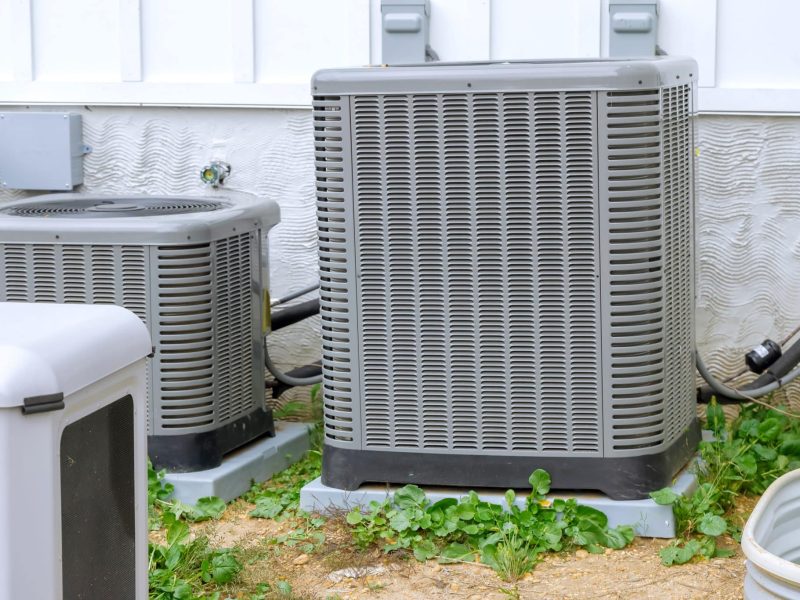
[678,259]
[185,337]
[134,276]
[334,215]
[645,272]
[234,260]
[78,274]
[477,249]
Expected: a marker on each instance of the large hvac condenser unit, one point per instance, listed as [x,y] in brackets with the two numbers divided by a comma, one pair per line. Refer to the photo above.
[506,252]
[191,268]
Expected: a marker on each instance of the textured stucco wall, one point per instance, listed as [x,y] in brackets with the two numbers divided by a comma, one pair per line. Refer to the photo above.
[748,211]
[748,234]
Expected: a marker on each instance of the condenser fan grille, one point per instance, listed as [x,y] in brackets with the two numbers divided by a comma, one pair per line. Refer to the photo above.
[93,208]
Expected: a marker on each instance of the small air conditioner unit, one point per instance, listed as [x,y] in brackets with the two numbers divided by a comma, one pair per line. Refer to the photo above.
[192,270]
[506,253]
[73,478]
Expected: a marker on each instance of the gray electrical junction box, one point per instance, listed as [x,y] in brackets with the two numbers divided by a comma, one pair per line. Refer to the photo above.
[41,150]
[405,27]
[632,25]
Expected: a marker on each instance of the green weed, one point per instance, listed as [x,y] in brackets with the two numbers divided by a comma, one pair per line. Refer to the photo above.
[281,590]
[512,593]
[513,556]
[316,431]
[306,537]
[159,501]
[508,541]
[375,586]
[157,491]
[280,496]
[747,454]
[291,409]
[185,568]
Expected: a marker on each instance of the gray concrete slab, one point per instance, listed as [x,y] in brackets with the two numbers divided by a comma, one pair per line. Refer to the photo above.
[257,461]
[648,518]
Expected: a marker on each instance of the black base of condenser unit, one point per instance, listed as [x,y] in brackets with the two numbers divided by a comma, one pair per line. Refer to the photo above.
[191,452]
[629,478]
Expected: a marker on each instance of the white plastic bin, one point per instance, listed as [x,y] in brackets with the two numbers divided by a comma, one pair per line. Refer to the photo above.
[771,542]
[73,479]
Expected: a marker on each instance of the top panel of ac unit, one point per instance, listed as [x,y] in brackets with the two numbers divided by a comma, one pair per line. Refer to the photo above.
[492,76]
[61,348]
[69,218]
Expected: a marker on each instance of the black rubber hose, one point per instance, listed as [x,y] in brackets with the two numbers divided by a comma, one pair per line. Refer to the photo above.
[780,368]
[284,318]
[304,372]
[294,314]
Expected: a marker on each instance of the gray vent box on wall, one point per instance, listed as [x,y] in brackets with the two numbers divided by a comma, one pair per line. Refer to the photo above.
[633,28]
[405,31]
[41,150]
[506,254]
[191,269]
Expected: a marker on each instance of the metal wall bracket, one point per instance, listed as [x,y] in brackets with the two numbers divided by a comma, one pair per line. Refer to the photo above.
[632,28]
[405,31]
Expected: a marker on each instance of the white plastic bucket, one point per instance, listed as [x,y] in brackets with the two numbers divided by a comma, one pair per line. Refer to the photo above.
[771,542]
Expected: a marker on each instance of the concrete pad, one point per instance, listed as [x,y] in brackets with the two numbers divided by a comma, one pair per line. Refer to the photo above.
[257,461]
[647,518]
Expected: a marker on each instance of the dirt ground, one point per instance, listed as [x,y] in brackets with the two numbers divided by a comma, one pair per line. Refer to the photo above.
[632,573]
